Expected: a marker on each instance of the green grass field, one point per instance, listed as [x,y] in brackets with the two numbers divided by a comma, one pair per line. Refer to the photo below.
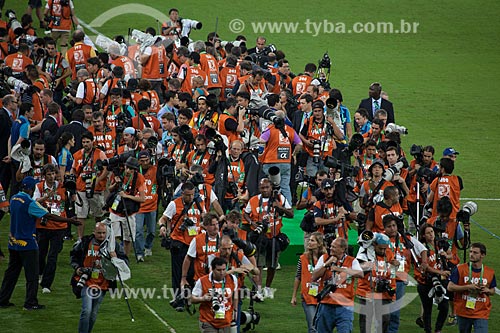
[443,81]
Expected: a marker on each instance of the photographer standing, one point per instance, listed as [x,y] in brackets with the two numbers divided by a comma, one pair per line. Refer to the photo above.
[377,289]
[389,205]
[429,276]
[60,14]
[88,281]
[336,308]
[317,135]
[216,294]
[446,185]
[404,248]
[473,285]
[231,121]
[279,139]
[130,188]
[52,196]
[182,217]
[263,222]
[91,182]
[23,247]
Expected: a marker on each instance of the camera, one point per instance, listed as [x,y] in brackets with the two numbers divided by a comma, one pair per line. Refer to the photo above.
[86,272]
[384,286]
[180,302]
[418,153]
[232,187]
[64,3]
[390,172]
[361,220]
[249,318]
[266,113]
[166,242]
[396,128]
[218,141]
[115,161]
[247,247]
[88,178]
[316,150]
[345,170]
[329,287]
[43,221]
[186,223]
[425,174]
[469,209]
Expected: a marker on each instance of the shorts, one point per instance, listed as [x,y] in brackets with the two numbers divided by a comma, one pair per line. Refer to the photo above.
[60,34]
[92,206]
[121,227]
[35,3]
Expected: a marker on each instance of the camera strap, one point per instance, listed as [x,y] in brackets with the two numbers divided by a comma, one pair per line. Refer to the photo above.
[144,120]
[87,159]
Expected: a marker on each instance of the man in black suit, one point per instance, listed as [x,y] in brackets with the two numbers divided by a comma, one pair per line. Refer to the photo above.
[300,116]
[75,127]
[375,102]
[50,127]
[6,113]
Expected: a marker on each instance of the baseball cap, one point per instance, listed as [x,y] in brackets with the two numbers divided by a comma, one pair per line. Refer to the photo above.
[327,183]
[129,130]
[381,239]
[29,182]
[143,153]
[318,105]
[450,151]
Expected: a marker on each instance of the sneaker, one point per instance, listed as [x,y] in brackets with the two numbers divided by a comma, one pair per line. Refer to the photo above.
[278,267]
[420,322]
[40,277]
[258,297]
[148,252]
[140,258]
[68,238]
[46,291]
[268,293]
[452,320]
[6,305]
[34,307]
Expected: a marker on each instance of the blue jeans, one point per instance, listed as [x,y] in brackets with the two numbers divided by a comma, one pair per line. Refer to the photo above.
[90,305]
[141,219]
[330,316]
[312,168]
[310,311]
[465,325]
[285,173]
[394,321]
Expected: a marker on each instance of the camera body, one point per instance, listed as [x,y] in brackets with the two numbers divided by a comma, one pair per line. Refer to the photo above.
[329,287]
[186,223]
[86,272]
[88,178]
[316,150]
[384,285]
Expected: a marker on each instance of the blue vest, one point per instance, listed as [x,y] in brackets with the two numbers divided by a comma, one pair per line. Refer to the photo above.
[16,129]
[22,224]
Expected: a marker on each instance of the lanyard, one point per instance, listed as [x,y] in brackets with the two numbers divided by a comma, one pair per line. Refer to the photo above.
[223,285]
[480,277]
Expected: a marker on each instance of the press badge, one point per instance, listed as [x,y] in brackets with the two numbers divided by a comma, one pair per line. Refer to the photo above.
[54,209]
[192,231]
[471,302]
[402,261]
[313,289]
[95,274]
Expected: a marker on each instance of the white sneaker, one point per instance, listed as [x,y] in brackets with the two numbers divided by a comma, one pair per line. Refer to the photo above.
[148,252]
[46,291]
[258,297]
[140,258]
[278,267]
[268,292]
[40,277]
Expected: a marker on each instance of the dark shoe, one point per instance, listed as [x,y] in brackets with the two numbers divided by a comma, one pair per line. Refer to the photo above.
[6,305]
[420,322]
[452,320]
[34,307]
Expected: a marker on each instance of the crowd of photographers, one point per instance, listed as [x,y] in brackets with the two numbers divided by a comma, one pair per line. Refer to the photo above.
[213,143]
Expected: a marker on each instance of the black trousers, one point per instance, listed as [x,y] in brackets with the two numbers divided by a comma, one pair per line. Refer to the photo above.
[50,243]
[18,260]
[178,252]
[423,292]
[5,176]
